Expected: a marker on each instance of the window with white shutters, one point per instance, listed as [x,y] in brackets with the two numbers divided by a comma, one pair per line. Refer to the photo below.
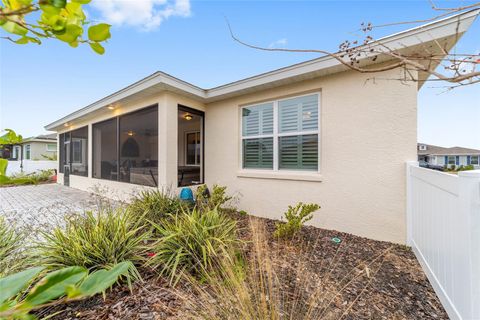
[257,132]
[282,135]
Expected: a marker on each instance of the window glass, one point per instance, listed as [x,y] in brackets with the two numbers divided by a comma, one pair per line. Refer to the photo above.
[451,159]
[27,152]
[474,160]
[258,153]
[193,148]
[298,114]
[105,153]
[138,144]
[298,152]
[79,150]
[257,120]
[51,147]
[198,148]
[294,136]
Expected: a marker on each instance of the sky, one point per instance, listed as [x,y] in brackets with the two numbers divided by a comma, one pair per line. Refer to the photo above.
[190,40]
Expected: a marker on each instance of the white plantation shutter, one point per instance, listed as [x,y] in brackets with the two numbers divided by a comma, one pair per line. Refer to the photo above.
[258,153]
[298,152]
[257,120]
[288,142]
[298,114]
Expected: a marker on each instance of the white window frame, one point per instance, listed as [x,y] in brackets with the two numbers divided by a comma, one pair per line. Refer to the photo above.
[478,160]
[51,144]
[454,160]
[16,152]
[29,152]
[276,135]
[186,148]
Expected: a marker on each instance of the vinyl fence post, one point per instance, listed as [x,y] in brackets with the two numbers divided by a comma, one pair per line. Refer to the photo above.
[409,202]
[469,193]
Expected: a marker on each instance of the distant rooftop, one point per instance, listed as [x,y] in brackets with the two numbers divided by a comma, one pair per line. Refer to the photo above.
[453,151]
[51,136]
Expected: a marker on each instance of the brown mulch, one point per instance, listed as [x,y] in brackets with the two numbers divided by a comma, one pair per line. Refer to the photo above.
[362,278]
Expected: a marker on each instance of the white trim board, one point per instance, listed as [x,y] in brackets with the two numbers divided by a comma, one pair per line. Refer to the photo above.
[447,27]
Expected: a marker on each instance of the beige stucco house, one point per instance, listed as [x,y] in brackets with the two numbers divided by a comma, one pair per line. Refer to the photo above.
[311,132]
[41,147]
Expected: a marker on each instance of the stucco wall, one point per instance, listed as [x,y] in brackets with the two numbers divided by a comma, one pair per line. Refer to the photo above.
[37,149]
[368,132]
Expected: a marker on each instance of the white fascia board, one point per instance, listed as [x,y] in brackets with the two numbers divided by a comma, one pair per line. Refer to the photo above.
[150,81]
[39,140]
[435,30]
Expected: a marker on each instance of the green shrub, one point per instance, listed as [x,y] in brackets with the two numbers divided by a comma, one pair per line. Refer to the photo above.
[43,175]
[192,243]
[155,205]
[452,167]
[21,179]
[466,168]
[96,240]
[4,180]
[10,245]
[17,299]
[296,218]
[3,167]
[217,198]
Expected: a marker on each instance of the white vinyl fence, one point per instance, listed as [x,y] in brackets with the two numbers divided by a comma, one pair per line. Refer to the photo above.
[443,221]
[29,166]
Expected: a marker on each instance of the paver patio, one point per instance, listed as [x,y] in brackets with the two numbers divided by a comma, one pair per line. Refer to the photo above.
[30,208]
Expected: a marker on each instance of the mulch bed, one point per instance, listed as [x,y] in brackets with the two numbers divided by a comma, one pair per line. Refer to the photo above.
[362,278]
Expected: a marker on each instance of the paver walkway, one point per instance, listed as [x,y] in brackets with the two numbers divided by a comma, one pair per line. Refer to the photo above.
[30,208]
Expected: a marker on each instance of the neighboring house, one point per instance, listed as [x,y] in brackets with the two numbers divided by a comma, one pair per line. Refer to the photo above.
[40,147]
[455,156]
[311,132]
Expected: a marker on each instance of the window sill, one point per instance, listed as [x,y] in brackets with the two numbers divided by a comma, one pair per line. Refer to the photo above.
[277,175]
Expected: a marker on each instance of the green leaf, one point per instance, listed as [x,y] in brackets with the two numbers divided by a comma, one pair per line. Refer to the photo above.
[101,280]
[97,47]
[49,9]
[73,44]
[75,11]
[14,28]
[99,32]
[13,284]
[59,3]
[72,32]
[22,40]
[57,22]
[82,1]
[54,285]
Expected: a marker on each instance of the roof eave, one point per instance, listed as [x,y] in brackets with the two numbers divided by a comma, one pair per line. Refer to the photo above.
[446,27]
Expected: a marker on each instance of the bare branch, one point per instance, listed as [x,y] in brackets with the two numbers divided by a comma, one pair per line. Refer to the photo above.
[458,69]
